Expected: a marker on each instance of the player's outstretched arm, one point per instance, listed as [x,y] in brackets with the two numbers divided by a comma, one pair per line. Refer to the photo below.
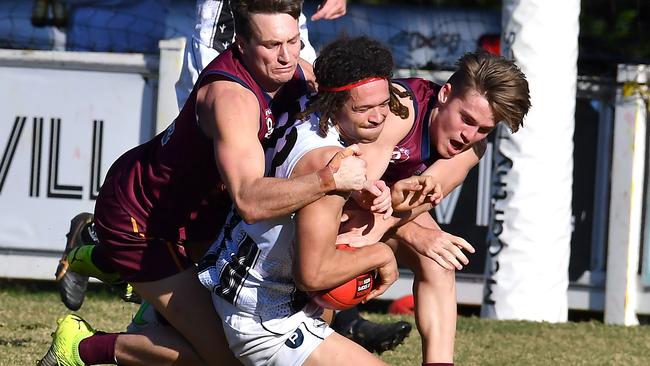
[452,172]
[229,114]
[318,264]
[410,197]
[426,237]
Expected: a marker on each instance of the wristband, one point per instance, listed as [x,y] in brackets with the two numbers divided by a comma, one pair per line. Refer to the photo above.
[326,178]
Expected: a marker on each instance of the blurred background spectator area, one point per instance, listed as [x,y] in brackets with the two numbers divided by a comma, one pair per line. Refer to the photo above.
[423,34]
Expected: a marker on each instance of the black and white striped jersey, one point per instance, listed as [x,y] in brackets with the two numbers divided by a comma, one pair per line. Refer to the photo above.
[251,265]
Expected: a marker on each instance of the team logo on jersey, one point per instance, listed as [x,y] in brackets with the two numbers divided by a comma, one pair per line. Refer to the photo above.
[295,340]
[268,118]
[168,133]
[400,154]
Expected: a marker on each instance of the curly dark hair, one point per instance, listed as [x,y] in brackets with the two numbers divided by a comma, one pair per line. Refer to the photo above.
[344,61]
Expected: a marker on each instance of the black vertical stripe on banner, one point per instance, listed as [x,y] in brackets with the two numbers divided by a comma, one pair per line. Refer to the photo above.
[95,169]
[501,165]
[12,144]
[54,189]
[37,146]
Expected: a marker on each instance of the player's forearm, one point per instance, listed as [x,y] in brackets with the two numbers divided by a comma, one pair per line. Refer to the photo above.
[450,173]
[409,232]
[266,198]
[404,233]
[340,266]
[400,219]
[417,211]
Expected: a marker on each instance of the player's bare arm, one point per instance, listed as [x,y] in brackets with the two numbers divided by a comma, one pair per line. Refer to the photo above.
[376,155]
[362,227]
[379,152]
[452,172]
[318,264]
[229,114]
[423,234]
[426,237]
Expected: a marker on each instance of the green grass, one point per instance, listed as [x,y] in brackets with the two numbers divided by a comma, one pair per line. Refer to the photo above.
[28,311]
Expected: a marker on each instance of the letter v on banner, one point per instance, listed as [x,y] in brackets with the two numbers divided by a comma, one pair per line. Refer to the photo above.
[445,210]
[10,150]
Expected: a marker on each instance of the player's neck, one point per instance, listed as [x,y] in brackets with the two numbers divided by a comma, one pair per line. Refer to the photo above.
[345,140]
[433,119]
[271,88]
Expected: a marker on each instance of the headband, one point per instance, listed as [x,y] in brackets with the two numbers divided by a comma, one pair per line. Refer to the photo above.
[348,86]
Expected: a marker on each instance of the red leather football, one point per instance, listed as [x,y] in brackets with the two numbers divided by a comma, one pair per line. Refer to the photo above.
[348,294]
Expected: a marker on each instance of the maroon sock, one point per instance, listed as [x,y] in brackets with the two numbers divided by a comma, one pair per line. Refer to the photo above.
[98,349]
[437,364]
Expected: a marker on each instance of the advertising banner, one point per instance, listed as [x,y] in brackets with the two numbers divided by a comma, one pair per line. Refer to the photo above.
[61,131]
[529,246]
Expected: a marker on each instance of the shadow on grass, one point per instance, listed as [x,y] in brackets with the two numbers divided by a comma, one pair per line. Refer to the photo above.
[22,286]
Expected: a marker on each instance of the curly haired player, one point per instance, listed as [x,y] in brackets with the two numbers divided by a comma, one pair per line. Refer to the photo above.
[259,273]
[172,193]
[441,133]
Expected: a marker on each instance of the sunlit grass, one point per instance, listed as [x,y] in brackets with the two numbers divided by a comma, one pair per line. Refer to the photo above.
[28,313]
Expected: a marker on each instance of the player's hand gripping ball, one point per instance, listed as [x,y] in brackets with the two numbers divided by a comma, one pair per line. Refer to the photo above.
[348,294]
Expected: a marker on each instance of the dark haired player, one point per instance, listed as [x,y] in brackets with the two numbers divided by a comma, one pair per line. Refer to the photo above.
[259,273]
[171,194]
[441,133]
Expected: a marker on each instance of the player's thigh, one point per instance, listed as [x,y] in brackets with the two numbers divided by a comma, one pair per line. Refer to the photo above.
[187,306]
[338,350]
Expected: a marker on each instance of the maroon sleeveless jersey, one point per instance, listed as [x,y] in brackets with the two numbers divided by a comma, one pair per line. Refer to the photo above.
[171,185]
[412,155]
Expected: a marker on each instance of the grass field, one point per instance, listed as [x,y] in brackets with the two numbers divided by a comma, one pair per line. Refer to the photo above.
[28,312]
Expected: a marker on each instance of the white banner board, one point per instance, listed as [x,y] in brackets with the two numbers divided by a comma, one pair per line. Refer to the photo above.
[60,132]
[528,257]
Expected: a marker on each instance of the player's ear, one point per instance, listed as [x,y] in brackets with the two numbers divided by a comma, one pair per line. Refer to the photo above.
[444,94]
[240,42]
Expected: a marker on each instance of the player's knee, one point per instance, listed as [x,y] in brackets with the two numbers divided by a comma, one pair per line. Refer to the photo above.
[435,275]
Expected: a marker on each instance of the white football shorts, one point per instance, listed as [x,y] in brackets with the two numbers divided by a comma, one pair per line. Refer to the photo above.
[273,342]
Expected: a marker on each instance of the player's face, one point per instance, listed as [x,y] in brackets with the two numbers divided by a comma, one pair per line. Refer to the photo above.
[272,52]
[460,122]
[362,117]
